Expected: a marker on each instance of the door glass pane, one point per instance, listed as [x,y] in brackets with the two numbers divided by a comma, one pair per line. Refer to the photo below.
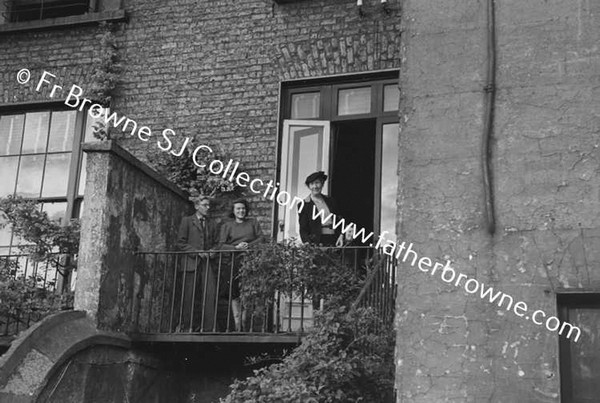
[8,173]
[29,182]
[306,158]
[11,133]
[354,101]
[62,130]
[36,132]
[56,176]
[306,106]
[305,150]
[391,98]
[389,179]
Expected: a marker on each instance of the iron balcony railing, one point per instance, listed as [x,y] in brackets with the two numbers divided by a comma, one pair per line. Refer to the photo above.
[32,289]
[181,292]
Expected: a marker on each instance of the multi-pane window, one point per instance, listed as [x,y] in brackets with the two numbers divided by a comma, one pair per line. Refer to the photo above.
[30,10]
[350,130]
[41,159]
[580,360]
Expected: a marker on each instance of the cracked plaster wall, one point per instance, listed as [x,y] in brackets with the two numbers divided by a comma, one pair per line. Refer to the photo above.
[453,346]
[126,210]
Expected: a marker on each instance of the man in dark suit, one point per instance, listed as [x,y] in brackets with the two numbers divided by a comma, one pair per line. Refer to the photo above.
[198,281]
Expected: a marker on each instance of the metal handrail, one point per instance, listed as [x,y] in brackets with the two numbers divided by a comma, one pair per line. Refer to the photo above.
[159,305]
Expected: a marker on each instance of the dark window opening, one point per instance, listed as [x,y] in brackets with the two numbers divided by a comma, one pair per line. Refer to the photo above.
[580,360]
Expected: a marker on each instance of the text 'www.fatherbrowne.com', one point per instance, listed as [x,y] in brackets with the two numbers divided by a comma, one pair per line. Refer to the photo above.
[448,274]
[400,251]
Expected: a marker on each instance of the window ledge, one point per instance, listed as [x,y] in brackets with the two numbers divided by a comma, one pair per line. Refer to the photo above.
[60,22]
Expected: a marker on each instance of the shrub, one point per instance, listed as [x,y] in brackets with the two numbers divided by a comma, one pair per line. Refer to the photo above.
[344,359]
[49,245]
[291,268]
[23,300]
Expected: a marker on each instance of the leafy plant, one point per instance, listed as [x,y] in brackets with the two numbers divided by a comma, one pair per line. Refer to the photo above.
[344,359]
[45,239]
[24,299]
[106,75]
[100,131]
[291,268]
[195,180]
[50,247]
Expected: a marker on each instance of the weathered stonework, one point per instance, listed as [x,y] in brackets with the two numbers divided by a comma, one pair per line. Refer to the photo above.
[128,209]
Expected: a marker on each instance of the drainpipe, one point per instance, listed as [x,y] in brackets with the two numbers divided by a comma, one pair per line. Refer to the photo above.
[488,119]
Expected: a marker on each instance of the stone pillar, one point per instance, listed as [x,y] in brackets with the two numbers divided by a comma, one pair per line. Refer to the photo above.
[128,208]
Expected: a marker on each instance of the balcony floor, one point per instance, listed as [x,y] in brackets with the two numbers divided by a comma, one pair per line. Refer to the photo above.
[219,338]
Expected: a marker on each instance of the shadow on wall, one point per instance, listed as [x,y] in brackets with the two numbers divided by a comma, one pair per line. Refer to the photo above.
[172,373]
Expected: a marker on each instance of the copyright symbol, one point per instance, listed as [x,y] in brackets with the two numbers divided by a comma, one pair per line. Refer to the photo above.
[23,76]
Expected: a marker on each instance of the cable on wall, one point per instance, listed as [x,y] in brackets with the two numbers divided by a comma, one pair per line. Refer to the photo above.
[488,119]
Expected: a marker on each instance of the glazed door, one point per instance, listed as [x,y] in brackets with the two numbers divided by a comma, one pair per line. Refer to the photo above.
[304,150]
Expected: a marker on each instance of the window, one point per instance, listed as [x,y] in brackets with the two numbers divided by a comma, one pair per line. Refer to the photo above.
[18,15]
[29,10]
[580,360]
[41,159]
[350,130]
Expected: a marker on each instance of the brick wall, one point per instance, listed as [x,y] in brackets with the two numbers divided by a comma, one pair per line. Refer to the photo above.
[212,69]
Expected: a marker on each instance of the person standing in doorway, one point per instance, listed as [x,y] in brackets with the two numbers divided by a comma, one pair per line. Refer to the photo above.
[314,230]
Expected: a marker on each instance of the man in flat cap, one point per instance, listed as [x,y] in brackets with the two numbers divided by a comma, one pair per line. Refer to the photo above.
[198,281]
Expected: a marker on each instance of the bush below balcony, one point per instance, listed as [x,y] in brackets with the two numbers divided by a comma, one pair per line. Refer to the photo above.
[346,357]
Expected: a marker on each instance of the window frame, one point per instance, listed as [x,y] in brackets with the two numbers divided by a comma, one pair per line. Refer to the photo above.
[564,302]
[10,5]
[328,88]
[103,10]
[72,197]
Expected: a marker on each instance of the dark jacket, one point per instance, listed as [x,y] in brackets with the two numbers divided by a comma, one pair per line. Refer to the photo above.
[193,237]
[310,230]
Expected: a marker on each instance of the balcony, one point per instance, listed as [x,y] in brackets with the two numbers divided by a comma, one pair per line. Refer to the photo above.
[159,313]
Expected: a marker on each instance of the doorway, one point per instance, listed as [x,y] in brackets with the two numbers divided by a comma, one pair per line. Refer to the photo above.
[353,170]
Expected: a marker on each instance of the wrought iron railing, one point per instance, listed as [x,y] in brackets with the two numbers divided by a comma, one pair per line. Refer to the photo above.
[32,289]
[380,288]
[181,292]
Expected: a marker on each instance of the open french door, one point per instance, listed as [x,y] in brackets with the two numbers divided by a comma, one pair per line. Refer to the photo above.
[305,149]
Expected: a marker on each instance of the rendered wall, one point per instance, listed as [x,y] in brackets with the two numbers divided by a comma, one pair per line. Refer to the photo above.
[128,209]
[453,346]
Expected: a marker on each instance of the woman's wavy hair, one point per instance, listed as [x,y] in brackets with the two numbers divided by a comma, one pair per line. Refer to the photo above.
[237,201]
